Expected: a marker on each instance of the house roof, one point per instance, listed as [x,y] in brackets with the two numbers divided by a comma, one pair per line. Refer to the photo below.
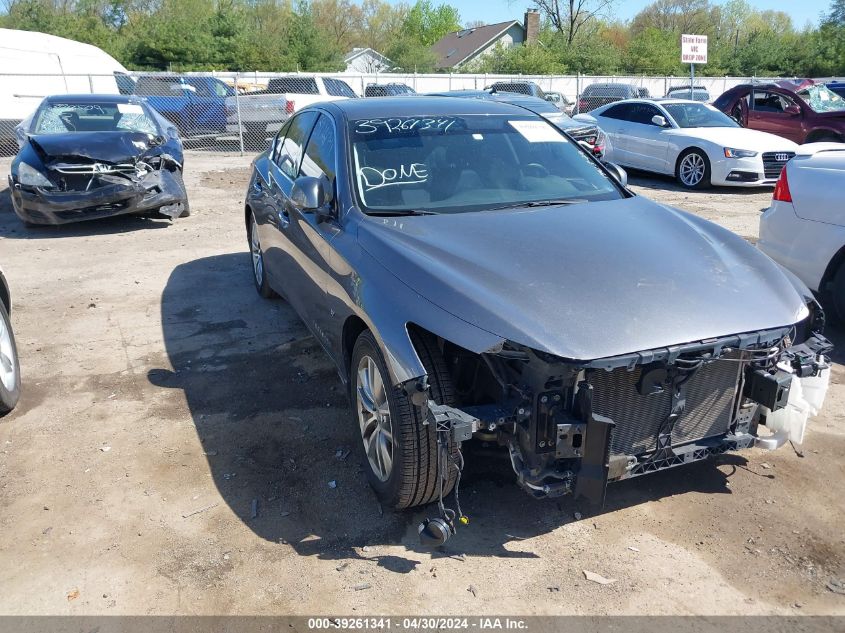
[455,48]
[357,52]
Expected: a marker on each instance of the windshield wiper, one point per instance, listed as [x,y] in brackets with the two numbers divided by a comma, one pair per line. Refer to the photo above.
[403,212]
[540,203]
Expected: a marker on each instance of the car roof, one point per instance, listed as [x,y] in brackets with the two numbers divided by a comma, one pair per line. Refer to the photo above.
[535,104]
[419,106]
[95,98]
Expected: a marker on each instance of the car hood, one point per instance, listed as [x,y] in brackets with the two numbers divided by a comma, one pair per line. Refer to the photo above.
[108,147]
[741,138]
[589,280]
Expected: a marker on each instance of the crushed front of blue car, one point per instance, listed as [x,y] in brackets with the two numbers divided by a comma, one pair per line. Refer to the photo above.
[58,179]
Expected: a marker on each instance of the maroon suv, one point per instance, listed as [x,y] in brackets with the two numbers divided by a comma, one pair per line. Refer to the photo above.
[802,111]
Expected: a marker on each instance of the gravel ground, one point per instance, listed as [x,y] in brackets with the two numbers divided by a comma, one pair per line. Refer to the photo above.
[177,435]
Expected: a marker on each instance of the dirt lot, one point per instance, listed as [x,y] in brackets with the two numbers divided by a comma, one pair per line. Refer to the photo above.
[164,402]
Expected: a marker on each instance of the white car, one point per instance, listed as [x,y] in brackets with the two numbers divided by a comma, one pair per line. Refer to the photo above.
[691,140]
[804,229]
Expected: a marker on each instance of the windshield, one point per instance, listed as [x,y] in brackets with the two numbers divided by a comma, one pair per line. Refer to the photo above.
[455,164]
[87,116]
[683,93]
[698,115]
[821,99]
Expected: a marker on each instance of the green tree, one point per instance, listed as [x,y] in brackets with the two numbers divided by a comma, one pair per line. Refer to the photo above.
[527,59]
[654,51]
[427,23]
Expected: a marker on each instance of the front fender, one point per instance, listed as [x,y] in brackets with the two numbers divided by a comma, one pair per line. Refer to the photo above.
[388,307]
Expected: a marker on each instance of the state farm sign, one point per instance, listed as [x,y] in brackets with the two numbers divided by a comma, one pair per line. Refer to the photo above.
[693,49]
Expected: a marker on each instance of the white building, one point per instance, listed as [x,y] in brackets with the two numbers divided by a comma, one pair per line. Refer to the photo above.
[366,60]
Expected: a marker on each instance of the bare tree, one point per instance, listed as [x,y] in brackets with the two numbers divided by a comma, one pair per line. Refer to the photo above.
[570,16]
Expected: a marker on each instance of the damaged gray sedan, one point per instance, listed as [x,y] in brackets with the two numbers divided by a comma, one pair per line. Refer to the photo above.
[474,273]
[84,157]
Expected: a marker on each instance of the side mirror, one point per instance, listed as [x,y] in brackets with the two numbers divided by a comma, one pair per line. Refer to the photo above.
[309,194]
[659,121]
[792,109]
[618,173]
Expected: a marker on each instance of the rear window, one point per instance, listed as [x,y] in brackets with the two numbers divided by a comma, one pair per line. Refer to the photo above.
[159,87]
[297,85]
[338,88]
[606,91]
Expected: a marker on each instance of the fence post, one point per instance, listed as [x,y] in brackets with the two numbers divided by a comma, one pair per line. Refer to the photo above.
[91,84]
[578,93]
[238,108]
[450,80]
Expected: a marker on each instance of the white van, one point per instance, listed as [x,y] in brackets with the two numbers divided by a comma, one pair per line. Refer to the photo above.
[39,65]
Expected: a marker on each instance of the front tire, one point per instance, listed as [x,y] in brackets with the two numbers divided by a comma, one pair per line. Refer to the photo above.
[259,272]
[837,294]
[693,170]
[10,370]
[399,450]
[180,180]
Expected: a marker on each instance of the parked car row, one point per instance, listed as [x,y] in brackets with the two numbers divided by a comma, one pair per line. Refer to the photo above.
[464,259]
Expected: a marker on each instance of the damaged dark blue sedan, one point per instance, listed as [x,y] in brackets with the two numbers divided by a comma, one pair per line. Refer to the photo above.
[84,157]
[474,273]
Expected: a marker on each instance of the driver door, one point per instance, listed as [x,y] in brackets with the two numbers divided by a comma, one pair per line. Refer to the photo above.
[310,238]
[768,114]
[283,261]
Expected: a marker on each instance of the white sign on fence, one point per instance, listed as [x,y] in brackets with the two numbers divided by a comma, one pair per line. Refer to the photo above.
[693,49]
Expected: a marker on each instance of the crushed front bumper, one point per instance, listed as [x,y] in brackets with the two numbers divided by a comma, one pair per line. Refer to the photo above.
[158,190]
[575,426]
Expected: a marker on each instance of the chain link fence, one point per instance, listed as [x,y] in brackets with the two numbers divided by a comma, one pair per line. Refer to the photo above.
[240,112]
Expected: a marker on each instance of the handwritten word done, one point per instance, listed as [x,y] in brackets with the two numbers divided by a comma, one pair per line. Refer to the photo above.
[373,178]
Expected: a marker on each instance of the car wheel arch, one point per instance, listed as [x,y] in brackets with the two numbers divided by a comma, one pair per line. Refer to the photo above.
[824,134]
[247,217]
[5,295]
[837,261]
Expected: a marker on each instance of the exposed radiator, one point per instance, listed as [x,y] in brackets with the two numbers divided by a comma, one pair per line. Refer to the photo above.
[709,406]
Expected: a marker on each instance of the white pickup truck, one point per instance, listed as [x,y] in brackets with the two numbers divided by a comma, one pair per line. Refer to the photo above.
[263,112]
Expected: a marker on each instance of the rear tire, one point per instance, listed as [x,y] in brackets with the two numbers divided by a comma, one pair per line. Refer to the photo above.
[10,370]
[412,478]
[259,272]
[693,170]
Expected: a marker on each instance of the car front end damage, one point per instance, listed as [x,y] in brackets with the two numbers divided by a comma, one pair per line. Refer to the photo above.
[86,189]
[573,426]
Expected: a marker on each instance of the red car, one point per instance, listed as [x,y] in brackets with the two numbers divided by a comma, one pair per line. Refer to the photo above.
[802,111]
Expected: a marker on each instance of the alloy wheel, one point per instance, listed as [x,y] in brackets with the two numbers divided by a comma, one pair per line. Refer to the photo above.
[692,169]
[374,418]
[257,255]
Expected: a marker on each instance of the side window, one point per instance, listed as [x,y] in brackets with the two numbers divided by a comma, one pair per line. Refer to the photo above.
[338,88]
[221,90]
[319,159]
[290,154]
[201,88]
[621,112]
[770,102]
[279,141]
[642,113]
[159,87]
